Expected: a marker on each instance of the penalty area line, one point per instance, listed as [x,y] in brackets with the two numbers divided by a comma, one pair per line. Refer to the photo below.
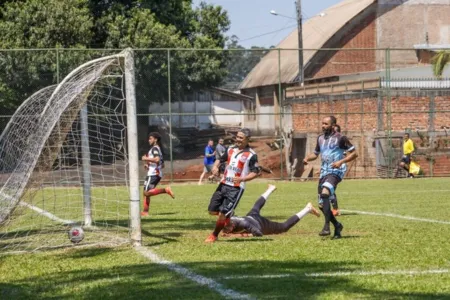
[409,218]
[186,273]
[46,213]
[341,274]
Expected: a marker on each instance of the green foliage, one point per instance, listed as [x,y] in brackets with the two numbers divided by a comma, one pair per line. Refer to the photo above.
[37,24]
[241,62]
[439,61]
[118,24]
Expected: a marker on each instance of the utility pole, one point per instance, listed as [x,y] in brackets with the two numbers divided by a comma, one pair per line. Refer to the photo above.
[300,41]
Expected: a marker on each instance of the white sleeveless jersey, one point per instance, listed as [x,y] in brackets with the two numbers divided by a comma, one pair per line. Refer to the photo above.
[154,169]
[239,164]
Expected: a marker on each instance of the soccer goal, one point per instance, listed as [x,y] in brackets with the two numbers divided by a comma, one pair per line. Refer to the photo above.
[68,157]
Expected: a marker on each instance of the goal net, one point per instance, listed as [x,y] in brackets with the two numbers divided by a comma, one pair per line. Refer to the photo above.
[64,161]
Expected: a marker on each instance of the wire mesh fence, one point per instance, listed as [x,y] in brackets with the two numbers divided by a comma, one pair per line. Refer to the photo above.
[191,96]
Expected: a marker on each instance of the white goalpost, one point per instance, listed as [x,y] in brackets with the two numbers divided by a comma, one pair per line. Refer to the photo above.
[64,163]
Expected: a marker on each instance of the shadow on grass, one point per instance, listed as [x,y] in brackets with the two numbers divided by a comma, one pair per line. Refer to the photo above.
[245,239]
[350,237]
[13,291]
[41,231]
[148,280]
[347,214]
[165,214]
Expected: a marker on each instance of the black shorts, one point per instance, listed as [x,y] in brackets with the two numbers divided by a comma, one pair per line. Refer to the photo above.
[151,182]
[406,158]
[330,182]
[225,199]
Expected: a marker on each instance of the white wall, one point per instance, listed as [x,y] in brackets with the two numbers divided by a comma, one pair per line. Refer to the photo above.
[266,122]
[202,121]
[228,107]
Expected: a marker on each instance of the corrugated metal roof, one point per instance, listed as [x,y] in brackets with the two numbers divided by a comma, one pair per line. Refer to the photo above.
[418,72]
[316,32]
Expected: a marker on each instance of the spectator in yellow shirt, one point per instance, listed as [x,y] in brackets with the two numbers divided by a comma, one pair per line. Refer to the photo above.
[408,149]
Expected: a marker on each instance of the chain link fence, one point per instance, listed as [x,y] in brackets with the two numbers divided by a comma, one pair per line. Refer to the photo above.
[191,96]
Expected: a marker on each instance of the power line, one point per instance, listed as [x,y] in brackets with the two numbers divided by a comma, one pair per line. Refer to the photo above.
[267,33]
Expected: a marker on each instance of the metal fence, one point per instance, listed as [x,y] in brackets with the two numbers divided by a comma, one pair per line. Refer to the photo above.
[191,96]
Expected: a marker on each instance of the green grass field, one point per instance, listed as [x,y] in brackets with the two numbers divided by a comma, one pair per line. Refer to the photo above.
[379,257]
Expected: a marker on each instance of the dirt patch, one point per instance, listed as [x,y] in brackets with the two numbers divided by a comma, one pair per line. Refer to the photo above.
[189,169]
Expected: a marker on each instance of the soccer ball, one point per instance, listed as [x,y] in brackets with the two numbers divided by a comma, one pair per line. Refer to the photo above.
[76,234]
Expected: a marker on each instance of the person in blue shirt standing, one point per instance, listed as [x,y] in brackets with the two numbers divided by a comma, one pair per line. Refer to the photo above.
[331,146]
[208,161]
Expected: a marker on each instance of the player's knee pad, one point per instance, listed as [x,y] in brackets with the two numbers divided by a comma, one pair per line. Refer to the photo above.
[324,196]
[329,187]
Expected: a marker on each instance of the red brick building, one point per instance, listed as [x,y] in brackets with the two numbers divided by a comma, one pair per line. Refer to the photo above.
[376,80]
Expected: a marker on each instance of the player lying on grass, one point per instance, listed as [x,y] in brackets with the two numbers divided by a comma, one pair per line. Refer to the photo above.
[257,225]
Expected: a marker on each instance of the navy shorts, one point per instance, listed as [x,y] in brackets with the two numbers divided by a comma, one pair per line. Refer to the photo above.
[329,182]
[225,199]
[151,182]
[406,158]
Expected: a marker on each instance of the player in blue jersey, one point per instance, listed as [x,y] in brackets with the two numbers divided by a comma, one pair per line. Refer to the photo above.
[331,146]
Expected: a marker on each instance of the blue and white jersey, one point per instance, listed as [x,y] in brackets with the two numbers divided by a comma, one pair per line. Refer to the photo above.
[331,149]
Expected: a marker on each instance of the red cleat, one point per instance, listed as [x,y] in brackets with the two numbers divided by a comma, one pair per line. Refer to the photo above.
[336,212]
[144,214]
[169,192]
[211,238]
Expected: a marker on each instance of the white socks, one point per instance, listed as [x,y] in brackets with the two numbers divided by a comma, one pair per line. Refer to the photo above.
[304,212]
[269,191]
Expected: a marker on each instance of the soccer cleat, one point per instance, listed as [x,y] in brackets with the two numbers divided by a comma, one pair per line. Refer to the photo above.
[169,192]
[337,231]
[271,186]
[144,214]
[313,210]
[324,232]
[336,212]
[211,238]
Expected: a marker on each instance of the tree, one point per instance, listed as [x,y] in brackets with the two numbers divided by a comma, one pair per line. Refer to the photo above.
[439,61]
[37,24]
[241,62]
[150,24]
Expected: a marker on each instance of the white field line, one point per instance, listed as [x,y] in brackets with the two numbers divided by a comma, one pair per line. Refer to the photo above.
[395,216]
[342,273]
[46,213]
[227,293]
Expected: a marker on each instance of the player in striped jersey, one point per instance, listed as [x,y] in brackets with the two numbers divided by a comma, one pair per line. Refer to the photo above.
[153,162]
[241,166]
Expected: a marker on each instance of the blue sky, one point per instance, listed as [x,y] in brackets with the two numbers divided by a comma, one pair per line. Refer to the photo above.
[252,18]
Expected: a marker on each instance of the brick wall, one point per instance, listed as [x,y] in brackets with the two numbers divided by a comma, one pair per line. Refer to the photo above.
[440,166]
[363,113]
[364,119]
[351,61]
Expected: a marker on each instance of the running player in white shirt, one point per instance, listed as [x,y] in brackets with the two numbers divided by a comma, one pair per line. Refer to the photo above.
[153,162]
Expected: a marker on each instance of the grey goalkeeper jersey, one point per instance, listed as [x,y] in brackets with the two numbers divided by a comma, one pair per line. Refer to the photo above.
[257,225]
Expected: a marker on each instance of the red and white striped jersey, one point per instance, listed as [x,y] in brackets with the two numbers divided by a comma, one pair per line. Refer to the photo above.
[239,164]
[154,169]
